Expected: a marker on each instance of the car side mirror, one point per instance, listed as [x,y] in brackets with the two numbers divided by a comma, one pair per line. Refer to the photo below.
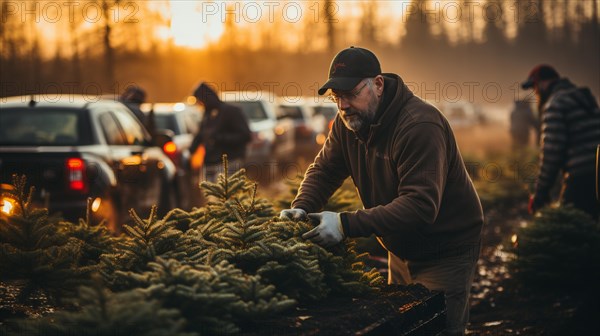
[161,137]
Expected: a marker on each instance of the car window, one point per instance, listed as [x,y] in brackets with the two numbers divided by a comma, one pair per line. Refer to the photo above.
[111,130]
[328,112]
[39,127]
[167,121]
[134,132]
[293,112]
[191,121]
[254,110]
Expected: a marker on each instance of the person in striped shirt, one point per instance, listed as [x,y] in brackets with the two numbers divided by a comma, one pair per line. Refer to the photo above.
[570,133]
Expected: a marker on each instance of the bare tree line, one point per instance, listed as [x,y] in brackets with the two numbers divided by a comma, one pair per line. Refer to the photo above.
[120,46]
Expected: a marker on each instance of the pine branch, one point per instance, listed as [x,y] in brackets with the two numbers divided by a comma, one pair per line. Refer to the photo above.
[144,241]
[556,250]
[36,247]
[105,313]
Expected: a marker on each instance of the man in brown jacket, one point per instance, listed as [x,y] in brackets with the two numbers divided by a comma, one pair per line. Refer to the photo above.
[402,156]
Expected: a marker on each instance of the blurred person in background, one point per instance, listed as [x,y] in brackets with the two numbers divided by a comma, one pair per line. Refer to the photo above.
[403,158]
[223,129]
[522,121]
[570,133]
[133,97]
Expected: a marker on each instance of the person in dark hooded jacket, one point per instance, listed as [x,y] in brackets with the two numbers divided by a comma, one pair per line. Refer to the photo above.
[570,135]
[133,97]
[224,129]
[403,158]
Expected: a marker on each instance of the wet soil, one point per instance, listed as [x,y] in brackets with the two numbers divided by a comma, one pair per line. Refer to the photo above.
[395,310]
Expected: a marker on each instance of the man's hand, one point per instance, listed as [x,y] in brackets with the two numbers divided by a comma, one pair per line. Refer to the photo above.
[293,214]
[329,232]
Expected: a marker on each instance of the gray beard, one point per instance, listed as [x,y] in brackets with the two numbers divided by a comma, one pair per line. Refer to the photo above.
[356,123]
[363,117]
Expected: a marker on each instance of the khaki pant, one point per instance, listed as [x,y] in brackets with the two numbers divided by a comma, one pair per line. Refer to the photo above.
[452,275]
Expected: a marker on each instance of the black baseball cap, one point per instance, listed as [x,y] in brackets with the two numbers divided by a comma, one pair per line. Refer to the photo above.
[539,73]
[349,67]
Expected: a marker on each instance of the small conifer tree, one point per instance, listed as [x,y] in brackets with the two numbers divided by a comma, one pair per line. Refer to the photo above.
[559,251]
[102,312]
[96,238]
[244,231]
[143,242]
[34,248]
[224,265]
[215,299]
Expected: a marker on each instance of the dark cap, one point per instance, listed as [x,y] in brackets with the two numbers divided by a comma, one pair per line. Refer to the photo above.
[134,94]
[539,73]
[349,67]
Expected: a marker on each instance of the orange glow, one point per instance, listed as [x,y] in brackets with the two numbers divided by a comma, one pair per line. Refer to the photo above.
[7,205]
[198,157]
[134,160]
[190,27]
[279,130]
[321,139]
[170,147]
[75,163]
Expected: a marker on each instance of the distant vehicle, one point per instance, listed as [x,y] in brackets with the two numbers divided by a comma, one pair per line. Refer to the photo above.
[72,149]
[460,114]
[323,116]
[300,113]
[272,139]
[183,121]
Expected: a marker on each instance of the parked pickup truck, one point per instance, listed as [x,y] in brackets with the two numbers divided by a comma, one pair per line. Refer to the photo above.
[73,148]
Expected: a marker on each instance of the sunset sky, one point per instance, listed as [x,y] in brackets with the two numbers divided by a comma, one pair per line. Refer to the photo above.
[198,24]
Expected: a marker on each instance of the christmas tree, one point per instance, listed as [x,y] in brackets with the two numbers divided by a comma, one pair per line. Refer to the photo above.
[35,247]
[237,227]
[143,242]
[219,267]
[102,312]
[215,299]
[559,251]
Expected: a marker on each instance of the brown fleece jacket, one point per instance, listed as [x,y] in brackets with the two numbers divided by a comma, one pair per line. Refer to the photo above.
[419,200]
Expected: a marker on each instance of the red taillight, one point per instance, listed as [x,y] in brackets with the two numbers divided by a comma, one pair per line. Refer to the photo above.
[170,148]
[76,174]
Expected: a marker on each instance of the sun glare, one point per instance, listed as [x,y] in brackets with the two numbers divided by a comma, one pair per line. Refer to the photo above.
[189,28]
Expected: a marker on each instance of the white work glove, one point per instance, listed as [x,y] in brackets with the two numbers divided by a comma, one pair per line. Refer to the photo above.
[329,232]
[293,214]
